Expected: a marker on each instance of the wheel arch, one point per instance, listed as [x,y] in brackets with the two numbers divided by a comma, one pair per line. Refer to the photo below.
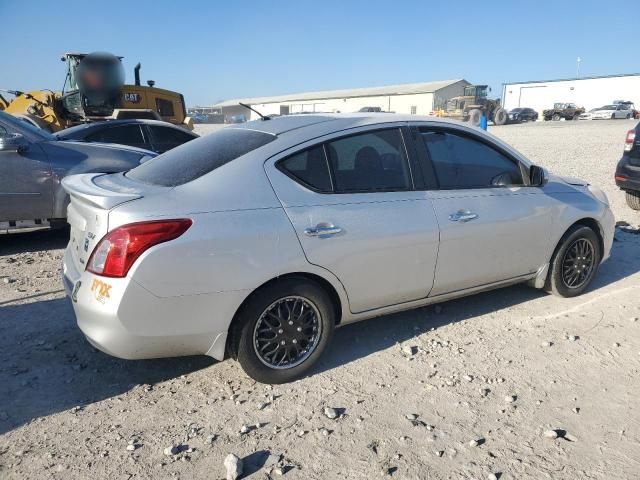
[326,285]
[594,225]
[540,280]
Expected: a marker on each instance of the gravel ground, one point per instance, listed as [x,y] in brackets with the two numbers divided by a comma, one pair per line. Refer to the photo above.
[468,389]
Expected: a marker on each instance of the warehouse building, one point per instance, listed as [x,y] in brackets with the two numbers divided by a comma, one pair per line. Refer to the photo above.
[587,92]
[412,98]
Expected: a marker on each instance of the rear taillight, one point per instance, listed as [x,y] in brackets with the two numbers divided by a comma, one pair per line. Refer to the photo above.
[628,143]
[120,248]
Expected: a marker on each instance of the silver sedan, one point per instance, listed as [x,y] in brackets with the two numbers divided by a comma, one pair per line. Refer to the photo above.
[258,240]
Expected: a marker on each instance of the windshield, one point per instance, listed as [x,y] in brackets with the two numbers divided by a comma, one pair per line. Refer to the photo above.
[608,107]
[194,159]
[517,110]
[22,126]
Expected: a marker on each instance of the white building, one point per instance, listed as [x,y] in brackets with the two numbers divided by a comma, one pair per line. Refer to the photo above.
[412,98]
[588,92]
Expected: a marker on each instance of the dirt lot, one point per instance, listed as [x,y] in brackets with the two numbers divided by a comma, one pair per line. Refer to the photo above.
[464,390]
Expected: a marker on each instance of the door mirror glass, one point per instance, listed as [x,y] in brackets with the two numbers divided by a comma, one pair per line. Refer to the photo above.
[12,142]
[538,176]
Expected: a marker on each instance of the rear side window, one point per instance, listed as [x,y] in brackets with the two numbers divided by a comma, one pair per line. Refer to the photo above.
[125,134]
[199,157]
[461,162]
[370,162]
[166,138]
[309,168]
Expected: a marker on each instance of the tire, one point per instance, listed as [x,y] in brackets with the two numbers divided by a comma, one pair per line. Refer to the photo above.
[500,116]
[628,116]
[283,295]
[633,200]
[613,116]
[556,117]
[475,116]
[563,271]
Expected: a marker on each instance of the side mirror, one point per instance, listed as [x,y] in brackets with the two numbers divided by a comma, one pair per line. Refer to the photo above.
[13,142]
[538,176]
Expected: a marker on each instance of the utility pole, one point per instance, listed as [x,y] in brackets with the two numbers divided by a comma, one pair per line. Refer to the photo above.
[578,60]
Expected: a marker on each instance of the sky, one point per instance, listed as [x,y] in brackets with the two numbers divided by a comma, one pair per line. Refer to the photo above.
[217,50]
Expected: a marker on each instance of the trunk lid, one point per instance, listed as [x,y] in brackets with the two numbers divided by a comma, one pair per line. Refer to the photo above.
[93,196]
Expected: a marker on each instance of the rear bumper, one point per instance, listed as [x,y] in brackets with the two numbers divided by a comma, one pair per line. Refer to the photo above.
[121,318]
[627,175]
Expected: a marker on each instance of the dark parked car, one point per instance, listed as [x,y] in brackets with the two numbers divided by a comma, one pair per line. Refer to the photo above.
[568,111]
[522,114]
[628,170]
[33,163]
[151,135]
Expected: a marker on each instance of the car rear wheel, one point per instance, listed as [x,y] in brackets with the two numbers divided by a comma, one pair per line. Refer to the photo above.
[283,330]
[633,200]
[575,262]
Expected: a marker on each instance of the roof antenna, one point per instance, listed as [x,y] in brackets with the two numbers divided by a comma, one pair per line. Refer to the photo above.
[254,110]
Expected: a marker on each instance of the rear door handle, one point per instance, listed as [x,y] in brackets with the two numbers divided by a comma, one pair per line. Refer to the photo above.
[321,230]
[463,216]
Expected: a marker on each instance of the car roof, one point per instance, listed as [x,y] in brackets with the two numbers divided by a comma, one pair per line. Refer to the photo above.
[293,130]
[85,127]
[339,121]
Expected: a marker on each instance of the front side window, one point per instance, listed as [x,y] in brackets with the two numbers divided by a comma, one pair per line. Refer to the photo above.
[369,162]
[164,107]
[461,162]
[310,168]
[125,135]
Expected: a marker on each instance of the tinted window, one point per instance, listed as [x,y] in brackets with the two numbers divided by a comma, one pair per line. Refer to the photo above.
[194,159]
[166,138]
[310,168]
[164,107]
[373,161]
[124,134]
[462,162]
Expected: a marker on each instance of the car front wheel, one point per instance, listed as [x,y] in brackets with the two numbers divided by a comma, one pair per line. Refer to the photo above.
[575,262]
[283,330]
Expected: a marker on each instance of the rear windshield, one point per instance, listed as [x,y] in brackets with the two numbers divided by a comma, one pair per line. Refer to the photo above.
[199,157]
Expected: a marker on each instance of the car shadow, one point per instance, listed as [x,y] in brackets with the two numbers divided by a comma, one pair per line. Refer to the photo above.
[358,340]
[46,365]
[34,241]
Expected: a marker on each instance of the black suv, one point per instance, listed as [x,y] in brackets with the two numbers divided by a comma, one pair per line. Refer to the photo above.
[628,170]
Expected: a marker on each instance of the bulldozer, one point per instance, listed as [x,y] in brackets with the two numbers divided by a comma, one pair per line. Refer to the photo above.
[472,105]
[94,90]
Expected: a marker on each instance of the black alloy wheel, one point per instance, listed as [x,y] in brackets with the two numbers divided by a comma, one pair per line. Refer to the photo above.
[577,263]
[287,332]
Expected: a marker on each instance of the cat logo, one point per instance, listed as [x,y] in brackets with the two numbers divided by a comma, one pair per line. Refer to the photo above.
[100,290]
[132,97]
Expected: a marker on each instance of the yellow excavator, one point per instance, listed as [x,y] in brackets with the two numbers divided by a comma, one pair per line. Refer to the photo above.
[94,90]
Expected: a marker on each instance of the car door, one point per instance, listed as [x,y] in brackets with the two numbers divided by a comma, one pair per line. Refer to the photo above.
[493,226]
[129,134]
[166,138]
[353,205]
[26,188]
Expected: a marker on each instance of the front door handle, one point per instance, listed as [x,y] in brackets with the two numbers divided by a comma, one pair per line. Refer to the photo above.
[322,229]
[463,216]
